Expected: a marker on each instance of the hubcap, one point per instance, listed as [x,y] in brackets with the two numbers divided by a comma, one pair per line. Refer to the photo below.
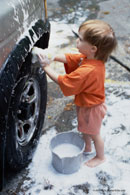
[28,112]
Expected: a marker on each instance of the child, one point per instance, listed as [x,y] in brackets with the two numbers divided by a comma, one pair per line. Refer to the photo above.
[84,78]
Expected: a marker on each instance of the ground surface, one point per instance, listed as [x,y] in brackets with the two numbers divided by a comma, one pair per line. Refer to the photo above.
[112,177]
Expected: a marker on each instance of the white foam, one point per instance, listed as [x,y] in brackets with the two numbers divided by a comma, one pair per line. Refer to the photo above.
[66,150]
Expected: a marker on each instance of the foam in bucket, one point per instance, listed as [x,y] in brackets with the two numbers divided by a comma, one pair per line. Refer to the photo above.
[66,150]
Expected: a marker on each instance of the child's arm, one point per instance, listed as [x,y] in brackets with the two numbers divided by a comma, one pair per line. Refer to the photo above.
[51,73]
[45,63]
[46,54]
[60,58]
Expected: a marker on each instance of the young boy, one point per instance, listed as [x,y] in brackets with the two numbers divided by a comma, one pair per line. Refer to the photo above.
[84,78]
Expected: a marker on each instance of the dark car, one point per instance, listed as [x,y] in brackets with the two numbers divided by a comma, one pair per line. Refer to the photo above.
[23,86]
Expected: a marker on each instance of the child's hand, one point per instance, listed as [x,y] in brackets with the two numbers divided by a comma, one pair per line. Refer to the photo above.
[46,56]
[44,60]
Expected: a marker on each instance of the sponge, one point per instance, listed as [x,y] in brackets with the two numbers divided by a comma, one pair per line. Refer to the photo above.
[46,52]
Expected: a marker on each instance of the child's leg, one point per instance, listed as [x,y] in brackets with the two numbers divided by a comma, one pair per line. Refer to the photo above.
[87,140]
[99,147]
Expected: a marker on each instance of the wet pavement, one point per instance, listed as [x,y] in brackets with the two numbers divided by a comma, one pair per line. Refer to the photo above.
[64,16]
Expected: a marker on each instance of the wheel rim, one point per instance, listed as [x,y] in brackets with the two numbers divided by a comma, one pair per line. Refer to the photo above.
[28,112]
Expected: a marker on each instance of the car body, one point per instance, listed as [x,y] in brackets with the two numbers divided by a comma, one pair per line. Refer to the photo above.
[23,86]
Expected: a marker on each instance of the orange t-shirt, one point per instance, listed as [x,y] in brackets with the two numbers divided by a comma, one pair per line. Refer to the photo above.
[84,78]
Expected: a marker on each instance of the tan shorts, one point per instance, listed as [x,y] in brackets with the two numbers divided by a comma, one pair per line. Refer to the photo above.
[90,119]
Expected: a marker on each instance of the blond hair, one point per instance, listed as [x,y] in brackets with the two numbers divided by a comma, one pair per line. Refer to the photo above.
[101,35]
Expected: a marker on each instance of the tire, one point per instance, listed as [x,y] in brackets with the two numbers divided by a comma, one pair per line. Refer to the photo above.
[26,115]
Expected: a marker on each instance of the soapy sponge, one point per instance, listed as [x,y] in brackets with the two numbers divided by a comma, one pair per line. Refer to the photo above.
[46,52]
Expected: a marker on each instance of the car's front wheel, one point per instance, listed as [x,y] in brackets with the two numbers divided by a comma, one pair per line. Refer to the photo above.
[26,115]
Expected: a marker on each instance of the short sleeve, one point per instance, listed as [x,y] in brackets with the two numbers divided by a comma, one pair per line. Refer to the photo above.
[75,82]
[73,61]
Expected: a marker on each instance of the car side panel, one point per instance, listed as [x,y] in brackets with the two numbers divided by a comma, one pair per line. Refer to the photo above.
[15,17]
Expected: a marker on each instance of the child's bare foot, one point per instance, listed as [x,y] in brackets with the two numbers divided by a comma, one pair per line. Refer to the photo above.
[95,162]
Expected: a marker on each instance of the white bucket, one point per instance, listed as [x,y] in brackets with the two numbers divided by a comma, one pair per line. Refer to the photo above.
[67,152]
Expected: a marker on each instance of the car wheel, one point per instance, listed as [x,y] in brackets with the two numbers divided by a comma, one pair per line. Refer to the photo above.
[26,114]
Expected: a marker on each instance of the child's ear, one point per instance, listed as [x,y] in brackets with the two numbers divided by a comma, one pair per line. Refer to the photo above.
[94,49]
